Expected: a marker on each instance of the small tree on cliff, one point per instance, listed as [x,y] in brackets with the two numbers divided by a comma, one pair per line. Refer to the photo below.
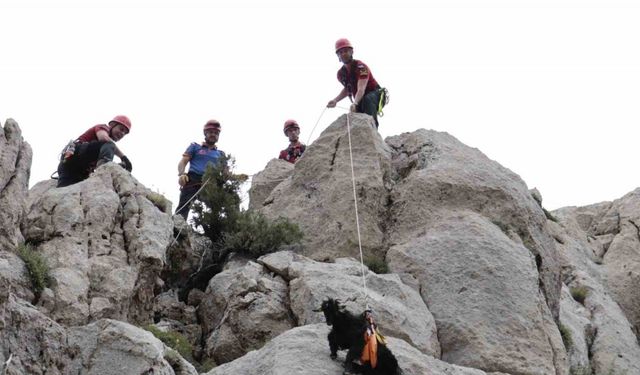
[230,229]
[218,206]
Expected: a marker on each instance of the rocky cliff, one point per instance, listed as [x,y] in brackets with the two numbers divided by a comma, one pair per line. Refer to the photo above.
[481,279]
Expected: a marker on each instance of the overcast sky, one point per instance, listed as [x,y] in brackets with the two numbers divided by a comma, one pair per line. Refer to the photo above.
[549,89]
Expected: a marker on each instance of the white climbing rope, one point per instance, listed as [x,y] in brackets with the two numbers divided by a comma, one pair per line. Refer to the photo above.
[355,203]
[185,204]
[314,126]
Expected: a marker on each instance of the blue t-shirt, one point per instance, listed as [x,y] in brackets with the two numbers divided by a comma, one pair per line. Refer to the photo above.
[201,156]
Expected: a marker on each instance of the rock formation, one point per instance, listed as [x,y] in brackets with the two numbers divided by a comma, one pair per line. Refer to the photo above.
[481,279]
[105,241]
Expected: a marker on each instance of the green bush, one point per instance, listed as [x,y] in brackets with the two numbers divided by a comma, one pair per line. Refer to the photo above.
[255,235]
[179,345]
[159,201]
[206,366]
[579,294]
[217,213]
[565,333]
[36,267]
[218,205]
[174,340]
[376,264]
[581,370]
[614,372]
[549,215]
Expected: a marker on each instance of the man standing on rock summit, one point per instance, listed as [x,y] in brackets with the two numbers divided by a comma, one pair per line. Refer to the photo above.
[359,85]
[93,148]
[197,156]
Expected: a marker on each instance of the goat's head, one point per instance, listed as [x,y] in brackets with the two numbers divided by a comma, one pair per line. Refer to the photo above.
[331,308]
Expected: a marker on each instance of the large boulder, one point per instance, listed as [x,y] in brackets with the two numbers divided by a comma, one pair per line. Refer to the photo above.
[622,259]
[613,233]
[243,308]
[305,350]
[31,343]
[575,324]
[482,288]
[398,309]
[613,347]
[105,242]
[15,167]
[263,183]
[600,326]
[319,194]
[439,175]
[14,277]
[111,347]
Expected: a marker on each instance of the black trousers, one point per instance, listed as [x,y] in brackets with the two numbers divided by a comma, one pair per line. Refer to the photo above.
[369,104]
[78,167]
[186,193]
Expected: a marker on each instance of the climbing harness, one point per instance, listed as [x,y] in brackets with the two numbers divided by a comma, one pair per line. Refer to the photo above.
[384,100]
[372,337]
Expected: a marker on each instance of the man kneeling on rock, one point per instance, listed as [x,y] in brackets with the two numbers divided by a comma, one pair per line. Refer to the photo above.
[93,148]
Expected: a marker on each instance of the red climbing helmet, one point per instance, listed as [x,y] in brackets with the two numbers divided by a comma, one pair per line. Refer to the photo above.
[212,124]
[122,120]
[290,124]
[342,43]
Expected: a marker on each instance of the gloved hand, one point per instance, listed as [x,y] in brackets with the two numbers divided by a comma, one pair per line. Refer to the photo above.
[183,179]
[127,164]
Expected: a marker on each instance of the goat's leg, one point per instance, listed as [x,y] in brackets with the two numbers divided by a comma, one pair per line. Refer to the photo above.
[354,353]
[333,344]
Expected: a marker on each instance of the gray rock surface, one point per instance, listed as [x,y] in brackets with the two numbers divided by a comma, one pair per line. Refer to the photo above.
[622,258]
[35,343]
[609,336]
[575,319]
[439,175]
[398,309]
[15,167]
[112,347]
[481,276]
[319,194]
[482,289]
[185,254]
[242,309]
[14,277]
[305,350]
[105,243]
[38,345]
[266,180]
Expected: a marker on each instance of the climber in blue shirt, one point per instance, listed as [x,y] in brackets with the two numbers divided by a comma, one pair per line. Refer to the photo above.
[197,156]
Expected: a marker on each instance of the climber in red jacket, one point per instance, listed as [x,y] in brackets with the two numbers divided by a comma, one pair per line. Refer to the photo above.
[93,148]
[296,148]
[359,85]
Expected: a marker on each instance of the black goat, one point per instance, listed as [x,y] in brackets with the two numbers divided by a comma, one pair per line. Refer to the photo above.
[347,332]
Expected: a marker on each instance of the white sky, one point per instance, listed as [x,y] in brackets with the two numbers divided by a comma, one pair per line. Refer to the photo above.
[550,89]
